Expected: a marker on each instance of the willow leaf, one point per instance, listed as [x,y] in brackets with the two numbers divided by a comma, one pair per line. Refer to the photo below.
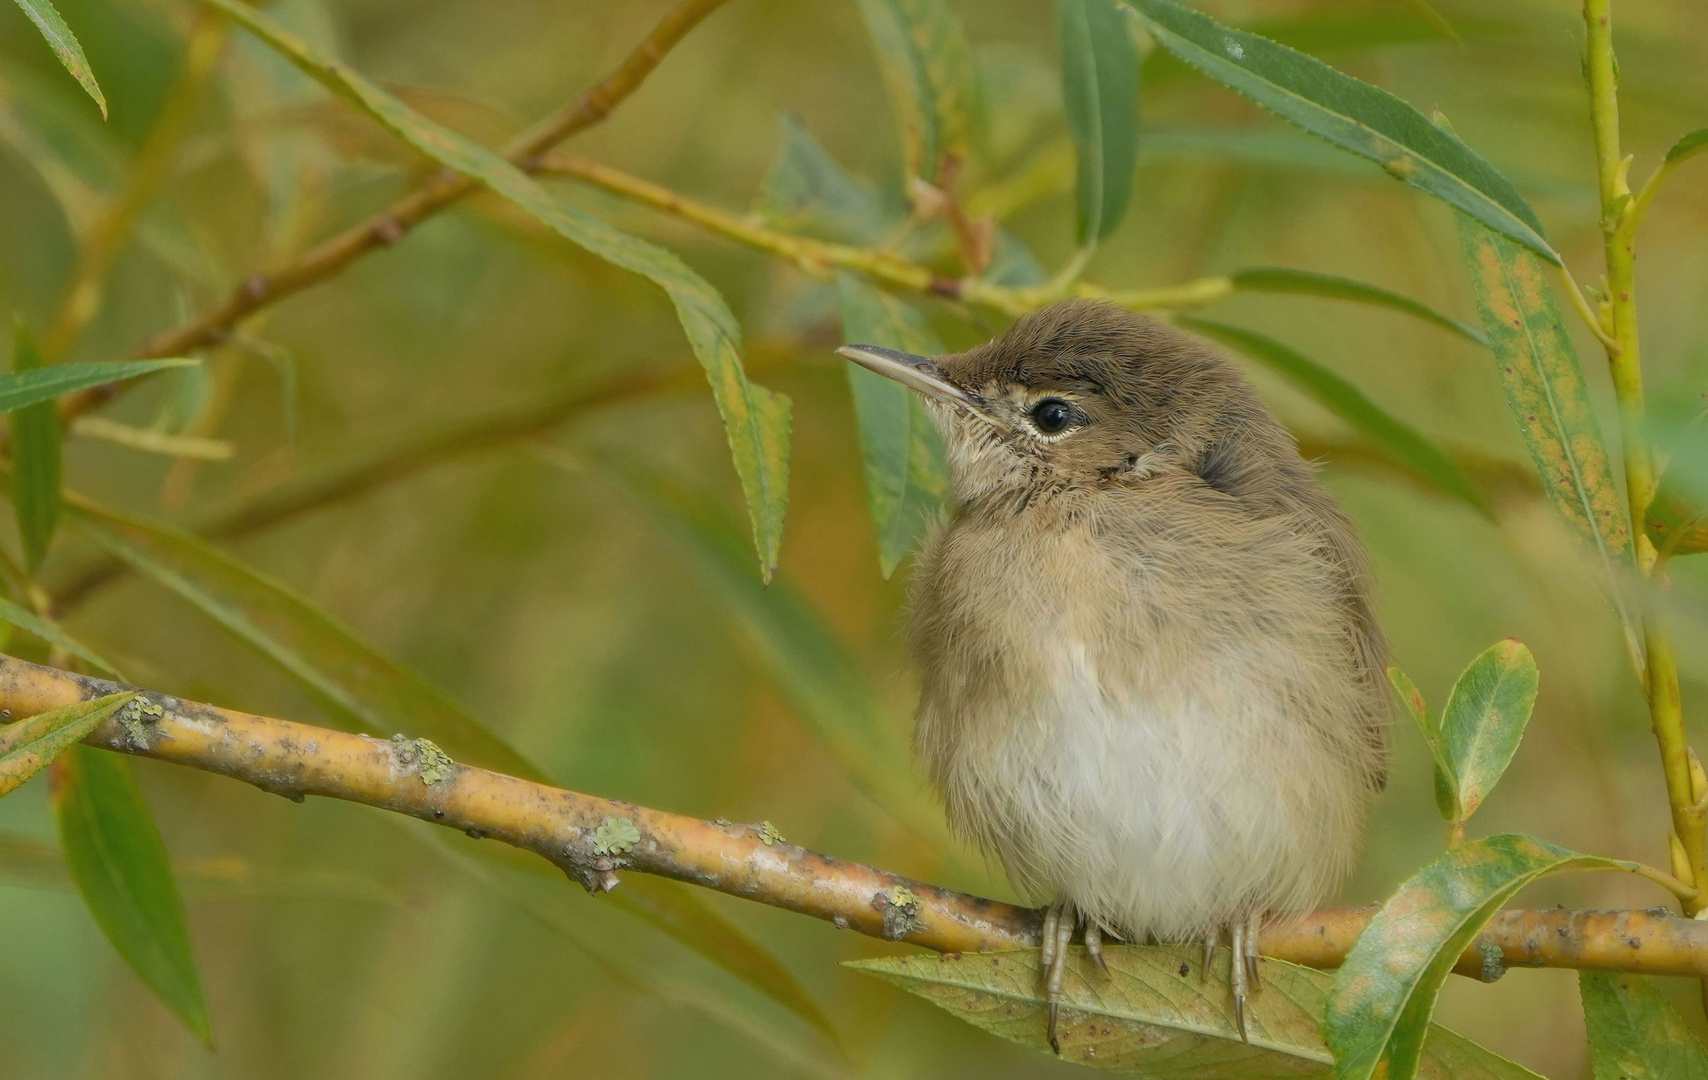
[931,76]
[1154,1015]
[1100,93]
[905,473]
[120,865]
[1353,115]
[1546,390]
[807,190]
[19,389]
[29,745]
[1485,718]
[1404,443]
[1310,283]
[1634,1034]
[65,46]
[756,420]
[36,449]
[1688,147]
[356,683]
[806,662]
[1378,1013]
[1429,726]
[51,632]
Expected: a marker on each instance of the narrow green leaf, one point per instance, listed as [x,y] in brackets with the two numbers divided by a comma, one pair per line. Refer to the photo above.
[1634,1034]
[756,420]
[1485,718]
[64,44]
[24,387]
[1100,93]
[120,865]
[1546,389]
[679,911]
[51,632]
[1310,283]
[27,746]
[366,690]
[536,889]
[1688,147]
[808,191]
[1404,443]
[35,457]
[905,473]
[932,78]
[357,685]
[1446,798]
[1353,115]
[1379,1009]
[807,664]
[1155,1016]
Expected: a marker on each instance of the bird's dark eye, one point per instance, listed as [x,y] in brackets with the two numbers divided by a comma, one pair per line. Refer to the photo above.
[1052,416]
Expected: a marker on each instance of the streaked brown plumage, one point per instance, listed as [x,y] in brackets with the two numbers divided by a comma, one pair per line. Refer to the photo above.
[1151,680]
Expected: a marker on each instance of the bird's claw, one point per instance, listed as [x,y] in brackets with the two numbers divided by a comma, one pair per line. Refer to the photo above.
[1243,976]
[1060,921]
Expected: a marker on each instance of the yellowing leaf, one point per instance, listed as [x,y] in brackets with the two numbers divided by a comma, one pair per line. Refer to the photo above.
[1549,398]
[1634,1034]
[1155,1016]
[64,45]
[1378,1013]
[1484,720]
[28,746]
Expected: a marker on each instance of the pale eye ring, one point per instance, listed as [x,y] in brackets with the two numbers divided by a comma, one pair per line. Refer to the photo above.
[1052,416]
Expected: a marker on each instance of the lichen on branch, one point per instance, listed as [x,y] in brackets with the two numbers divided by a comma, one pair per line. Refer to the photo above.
[593,839]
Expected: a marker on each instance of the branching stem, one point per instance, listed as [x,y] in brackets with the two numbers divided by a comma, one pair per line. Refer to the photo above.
[391,224]
[1619,217]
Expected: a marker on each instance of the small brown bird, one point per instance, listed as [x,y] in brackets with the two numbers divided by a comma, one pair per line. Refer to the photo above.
[1151,680]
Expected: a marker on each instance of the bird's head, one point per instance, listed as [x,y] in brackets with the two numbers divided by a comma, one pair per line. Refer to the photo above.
[1085,395]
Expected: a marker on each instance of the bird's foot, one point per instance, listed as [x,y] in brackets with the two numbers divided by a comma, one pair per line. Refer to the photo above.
[1243,976]
[1060,921]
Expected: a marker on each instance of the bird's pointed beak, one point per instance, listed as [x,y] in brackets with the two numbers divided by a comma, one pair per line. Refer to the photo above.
[919,373]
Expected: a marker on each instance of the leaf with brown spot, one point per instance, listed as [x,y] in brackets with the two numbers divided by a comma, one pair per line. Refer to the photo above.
[1149,1019]
[1484,720]
[26,747]
[1546,390]
[1378,1013]
[1634,1034]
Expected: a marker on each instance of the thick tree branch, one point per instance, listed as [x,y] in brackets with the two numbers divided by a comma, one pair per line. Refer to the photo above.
[586,837]
[393,223]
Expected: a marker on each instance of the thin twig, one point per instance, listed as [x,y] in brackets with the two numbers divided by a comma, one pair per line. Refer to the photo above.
[584,836]
[821,258]
[392,224]
[1686,798]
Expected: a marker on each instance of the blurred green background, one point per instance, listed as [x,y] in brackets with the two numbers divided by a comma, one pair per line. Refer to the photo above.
[337,941]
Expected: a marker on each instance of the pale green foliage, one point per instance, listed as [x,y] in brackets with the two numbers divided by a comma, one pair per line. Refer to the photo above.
[1157,1016]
